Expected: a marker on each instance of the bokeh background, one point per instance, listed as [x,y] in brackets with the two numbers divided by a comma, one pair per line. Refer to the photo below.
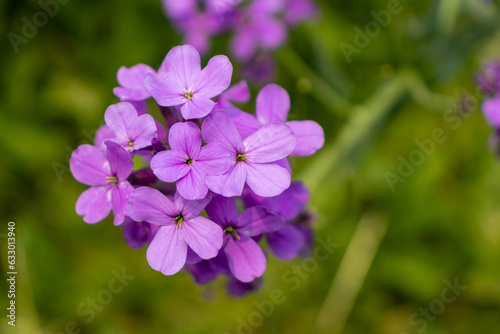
[396,247]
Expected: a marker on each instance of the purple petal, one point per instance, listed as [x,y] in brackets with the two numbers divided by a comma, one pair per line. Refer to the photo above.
[239,289]
[244,122]
[215,159]
[138,234]
[491,110]
[89,166]
[193,185]
[202,272]
[286,242]
[238,92]
[182,66]
[218,128]
[197,107]
[229,184]
[150,205]
[167,252]
[273,104]
[310,137]
[203,236]
[223,210]
[103,133]
[141,131]
[257,220]
[179,9]
[267,180]
[94,204]
[243,44]
[272,33]
[190,209]
[299,10]
[140,106]
[119,199]
[165,92]
[131,79]
[120,162]
[215,77]
[170,166]
[270,143]
[186,138]
[118,118]
[246,259]
[291,202]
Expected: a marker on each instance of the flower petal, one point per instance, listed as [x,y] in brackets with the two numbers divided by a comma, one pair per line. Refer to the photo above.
[182,65]
[291,201]
[270,143]
[119,199]
[118,118]
[141,131]
[203,236]
[310,137]
[192,186]
[170,166]
[103,133]
[215,77]
[150,205]
[190,209]
[215,159]
[120,162]
[223,210]
[218,127]
[244,122]
[273,104]
[229,184]
[491,110]
[197,107]
[286,242]
[238,92]
[165,92]
[186,138]
[167,252]
[93,204]
[245,257]
[131,79]
[89,166]
[257,220]
[267,180]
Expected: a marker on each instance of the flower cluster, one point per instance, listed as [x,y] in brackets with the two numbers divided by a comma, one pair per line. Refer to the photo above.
[256,27]
[211,161]
[488,81]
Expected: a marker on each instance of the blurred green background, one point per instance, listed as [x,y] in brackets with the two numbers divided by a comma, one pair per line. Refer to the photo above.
[415,76]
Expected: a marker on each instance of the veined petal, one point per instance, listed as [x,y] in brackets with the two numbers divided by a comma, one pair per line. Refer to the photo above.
[167,252]
[182,65]
[223,210]
[132,77]
[218,127]
[238,92]
[141,131]
[89,166]
[192,186]
[290,202]
[215,159]
[245,257]
[273,104]
[165,92]
[119,116]
[257,220]
[103,133]
[271,142]
[310,137]
[203,236]
[150,205]
[197,107]
[185,137]
[215,77]
[170,166]
[244,122]
[120,162]
[286,242]
[94,204]
[119,199]
[229,184]
[267,180]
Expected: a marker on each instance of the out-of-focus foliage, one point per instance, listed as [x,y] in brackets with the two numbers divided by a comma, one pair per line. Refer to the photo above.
[443,221]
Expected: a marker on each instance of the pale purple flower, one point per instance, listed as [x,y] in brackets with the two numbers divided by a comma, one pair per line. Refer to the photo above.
[491,111]
[300,10]
[245,258]
[180,227]
[239,93]
[188,163]
[183,83]
[131,131]
[131,83]
[273,105]
[138,234]
[107,176]
[252,157]
[199,28]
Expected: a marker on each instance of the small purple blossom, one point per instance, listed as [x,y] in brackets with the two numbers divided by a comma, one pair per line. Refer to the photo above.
[252,158]
[131,83]
[180,227]
[107,176]
[300,10]
[183,83]
[245,258]
[138,234]
[239,93]
[188,163]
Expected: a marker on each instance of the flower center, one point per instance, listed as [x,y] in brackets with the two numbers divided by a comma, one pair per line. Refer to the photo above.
[232,230]
[131,143]
[189,161]
[178,220]
[188,95]
[241,157]
[112,179]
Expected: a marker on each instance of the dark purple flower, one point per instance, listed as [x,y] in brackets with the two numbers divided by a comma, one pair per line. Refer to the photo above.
[188,163]
[273,105]
[261,68]
[131,131]
[252,158]
[138,234]
[488,79]
[239,289]
[183,83]
[245,258]
[180,227]
[239,93]
[107,176]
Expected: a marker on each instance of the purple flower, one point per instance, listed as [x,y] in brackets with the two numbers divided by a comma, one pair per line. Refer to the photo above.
[131,131]
[491,111]
[252,158]
[300,10]
[488,80]
[183,83]
[239,289]
[107,176]
[138,234]
[245,258]
[188,163]
[180,227]
[273,105]
[236,93]
[131,82]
